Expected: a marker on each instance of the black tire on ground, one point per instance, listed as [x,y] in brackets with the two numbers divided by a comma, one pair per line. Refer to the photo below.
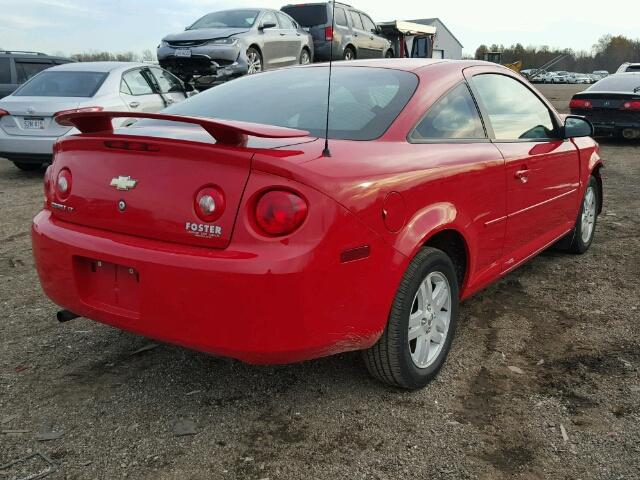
[574,241]
[349,54]
[305,57]
[389,360]
[254,53]
[28,167]
[389,54]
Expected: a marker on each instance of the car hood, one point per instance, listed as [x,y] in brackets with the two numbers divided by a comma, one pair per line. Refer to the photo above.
[204,34]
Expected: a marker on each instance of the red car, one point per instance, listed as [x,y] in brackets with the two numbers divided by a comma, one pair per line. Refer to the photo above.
[221,225]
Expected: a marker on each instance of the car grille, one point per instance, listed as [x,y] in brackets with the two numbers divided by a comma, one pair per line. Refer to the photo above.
[187,43]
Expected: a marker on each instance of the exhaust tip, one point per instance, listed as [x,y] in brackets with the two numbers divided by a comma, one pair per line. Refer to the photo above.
[65,316]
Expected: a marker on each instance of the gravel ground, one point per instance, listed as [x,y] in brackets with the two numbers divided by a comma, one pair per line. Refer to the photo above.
[569,323]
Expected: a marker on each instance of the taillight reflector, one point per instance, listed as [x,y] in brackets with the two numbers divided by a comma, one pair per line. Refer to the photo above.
[580,104]
[328,34]
[280,212]
[632,105]
[63,184]
[3,113]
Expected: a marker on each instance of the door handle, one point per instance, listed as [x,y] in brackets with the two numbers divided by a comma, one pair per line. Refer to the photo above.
[282,34]
[134,104]
[170,101]
[522,175]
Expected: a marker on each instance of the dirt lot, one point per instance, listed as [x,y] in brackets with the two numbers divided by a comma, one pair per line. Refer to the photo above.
[570,323]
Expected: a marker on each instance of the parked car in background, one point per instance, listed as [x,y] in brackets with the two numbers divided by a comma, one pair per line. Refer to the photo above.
[629,67]
[232,43]
[27,126]
[612,105]
[601,74]
[18,67]
[220,225]
[355,34]
[561,77]
[580,78]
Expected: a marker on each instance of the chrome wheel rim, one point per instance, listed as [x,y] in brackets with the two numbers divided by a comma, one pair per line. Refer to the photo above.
[429,320]
[348,55]
[305,60]
[255,64]
[588,214]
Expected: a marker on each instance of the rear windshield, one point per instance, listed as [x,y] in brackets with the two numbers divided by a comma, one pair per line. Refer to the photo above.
[227,19]
[623,82]
[364,101]
[62,84]
[308,15]
[633,68]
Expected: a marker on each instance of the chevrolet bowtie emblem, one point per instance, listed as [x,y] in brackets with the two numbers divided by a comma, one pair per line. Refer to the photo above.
[123,183]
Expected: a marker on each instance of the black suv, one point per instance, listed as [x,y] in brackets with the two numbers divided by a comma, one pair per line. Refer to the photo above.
[18,67]
[355,34]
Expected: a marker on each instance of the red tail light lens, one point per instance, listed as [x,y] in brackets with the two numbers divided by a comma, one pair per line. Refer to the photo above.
[209,204]
[328,34]
[47,186]
[3,113]
[79,110]
[632,105]
[63,184]
[580,104]
[280,212]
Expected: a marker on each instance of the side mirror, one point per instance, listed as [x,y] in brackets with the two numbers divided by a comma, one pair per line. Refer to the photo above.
[575,127]
[268,25]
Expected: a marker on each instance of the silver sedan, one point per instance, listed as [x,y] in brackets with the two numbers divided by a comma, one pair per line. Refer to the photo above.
[27,126]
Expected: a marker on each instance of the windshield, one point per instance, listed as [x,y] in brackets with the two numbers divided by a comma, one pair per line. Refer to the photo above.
[307,15]
[364,101]
[622,82]
[62,84]
[227,19]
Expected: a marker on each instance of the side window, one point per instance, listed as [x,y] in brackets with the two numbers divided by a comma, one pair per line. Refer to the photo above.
[5,70]
[136,82]
[454,116]
[514,111]
[124,88]
[26,70]
[356,20]
[167,82]
[285,22]
[369,26]
[269,17]
[341,17]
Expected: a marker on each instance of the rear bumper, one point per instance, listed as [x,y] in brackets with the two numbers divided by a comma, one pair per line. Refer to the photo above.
[27,158]
[25,147]
[248,305]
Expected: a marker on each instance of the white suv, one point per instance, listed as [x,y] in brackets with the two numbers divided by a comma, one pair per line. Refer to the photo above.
[629,67]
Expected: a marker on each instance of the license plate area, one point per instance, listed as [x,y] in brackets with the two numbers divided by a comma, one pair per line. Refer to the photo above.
[108,286]
[183,52]
[33,123]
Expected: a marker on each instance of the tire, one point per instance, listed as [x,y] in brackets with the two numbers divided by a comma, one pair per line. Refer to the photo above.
[28,167]
[389,54]
[581,237]
[349,54]
[395,359]
[305,57]
[255,61]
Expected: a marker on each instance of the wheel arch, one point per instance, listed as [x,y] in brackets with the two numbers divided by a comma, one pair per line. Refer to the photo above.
[596,173]
[352,48]
[452,242]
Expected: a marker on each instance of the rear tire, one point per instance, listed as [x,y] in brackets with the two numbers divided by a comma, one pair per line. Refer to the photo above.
[349,54]
[581,237]
[423,316]
[28,167]
[305,57]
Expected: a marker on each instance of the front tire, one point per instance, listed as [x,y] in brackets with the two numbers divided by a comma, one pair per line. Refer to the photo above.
[421,325]
[255,61]
[581,237]
[28,167]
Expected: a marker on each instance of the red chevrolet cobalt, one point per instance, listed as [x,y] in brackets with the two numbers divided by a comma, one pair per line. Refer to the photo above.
[224,225]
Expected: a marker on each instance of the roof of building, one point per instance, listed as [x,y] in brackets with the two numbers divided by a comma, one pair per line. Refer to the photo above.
[431,21]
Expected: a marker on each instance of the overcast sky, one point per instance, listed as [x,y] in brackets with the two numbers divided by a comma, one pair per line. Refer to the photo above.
[71,26]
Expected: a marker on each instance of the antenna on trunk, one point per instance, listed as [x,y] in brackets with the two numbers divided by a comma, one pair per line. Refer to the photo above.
[326,152]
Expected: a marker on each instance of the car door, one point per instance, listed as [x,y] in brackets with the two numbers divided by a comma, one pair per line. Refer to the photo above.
[292,40]
[360,37]
[377,44]
[138,94]
[170,87]
[453,133]
[273,49]
[542,169]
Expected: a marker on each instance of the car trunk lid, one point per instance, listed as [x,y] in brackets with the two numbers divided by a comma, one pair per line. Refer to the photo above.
[33,116]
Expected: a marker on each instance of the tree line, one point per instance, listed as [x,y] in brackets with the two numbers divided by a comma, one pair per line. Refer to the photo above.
[145,56]
[607,54]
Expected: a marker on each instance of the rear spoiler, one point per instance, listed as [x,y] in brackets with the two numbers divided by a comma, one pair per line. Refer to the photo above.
[228,132]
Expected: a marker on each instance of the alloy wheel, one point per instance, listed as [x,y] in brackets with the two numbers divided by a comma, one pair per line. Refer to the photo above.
[588,215]
[255,62]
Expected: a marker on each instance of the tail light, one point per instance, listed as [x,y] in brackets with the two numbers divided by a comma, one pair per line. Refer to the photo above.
[280,212]
[63,184]
[47,186]
[328,34]
[633,105]
[79,110]
[580,104]
[3,113]
[209,204]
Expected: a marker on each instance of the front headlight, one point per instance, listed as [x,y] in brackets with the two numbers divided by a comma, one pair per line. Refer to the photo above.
[224,41]
[163,44]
